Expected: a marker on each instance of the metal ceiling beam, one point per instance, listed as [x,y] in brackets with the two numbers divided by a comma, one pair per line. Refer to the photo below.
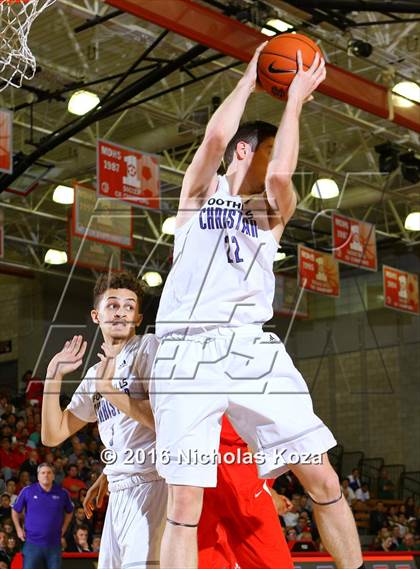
[98,113]
[158,240]
[27,243]
[374,128]
[337,40]
[29,269]
[149,138]
[176,87]
[134,65]
[58,95]
[97,20]
[63,219]
[229,36]
[383,22]
[150,141]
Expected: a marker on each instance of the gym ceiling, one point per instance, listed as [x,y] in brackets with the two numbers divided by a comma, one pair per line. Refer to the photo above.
[159,83]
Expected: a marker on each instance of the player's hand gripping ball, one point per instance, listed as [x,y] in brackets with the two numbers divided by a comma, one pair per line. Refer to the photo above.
[278,62]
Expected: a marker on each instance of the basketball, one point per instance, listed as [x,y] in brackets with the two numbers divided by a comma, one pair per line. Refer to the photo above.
[277,64]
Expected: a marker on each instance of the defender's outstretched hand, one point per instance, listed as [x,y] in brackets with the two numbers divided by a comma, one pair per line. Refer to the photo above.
[68,360]
[305,82]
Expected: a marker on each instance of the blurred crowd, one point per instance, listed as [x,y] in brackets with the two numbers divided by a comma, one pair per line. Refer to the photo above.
[391,526]
[385,524]
[76,464]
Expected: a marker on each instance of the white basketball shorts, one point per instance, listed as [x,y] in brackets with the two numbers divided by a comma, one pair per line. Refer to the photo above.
[245,373]
[134,523]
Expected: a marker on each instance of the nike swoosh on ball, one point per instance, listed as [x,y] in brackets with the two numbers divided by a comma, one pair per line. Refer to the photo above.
[272,69]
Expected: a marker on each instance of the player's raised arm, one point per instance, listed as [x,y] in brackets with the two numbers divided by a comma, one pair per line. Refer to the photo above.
[58,425]
[135,408]
[220,129]
[280,193]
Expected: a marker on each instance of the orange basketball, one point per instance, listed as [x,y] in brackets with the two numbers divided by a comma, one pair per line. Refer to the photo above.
[277,64]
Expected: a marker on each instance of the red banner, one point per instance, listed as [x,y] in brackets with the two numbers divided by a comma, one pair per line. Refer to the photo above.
[354,242]
[127,174]
[318,272]
[401,290]
[6,140]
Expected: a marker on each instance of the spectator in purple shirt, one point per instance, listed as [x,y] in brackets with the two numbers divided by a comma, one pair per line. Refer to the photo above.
[48,512]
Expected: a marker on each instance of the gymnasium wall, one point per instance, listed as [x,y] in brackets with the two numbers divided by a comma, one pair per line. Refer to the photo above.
[369,396]
[21,321]
[362,368]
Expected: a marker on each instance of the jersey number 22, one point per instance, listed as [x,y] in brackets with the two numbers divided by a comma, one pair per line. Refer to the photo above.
[235,248]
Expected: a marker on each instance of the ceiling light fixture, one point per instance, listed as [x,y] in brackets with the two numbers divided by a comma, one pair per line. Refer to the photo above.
[63,195]
[168,226]
[152,278]
[412,221]
[55,257]
[81,102]
[325,189]
[407,94]
[279,27]
[279,256]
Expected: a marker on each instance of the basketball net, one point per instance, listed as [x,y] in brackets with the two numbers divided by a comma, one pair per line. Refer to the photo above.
[17,62]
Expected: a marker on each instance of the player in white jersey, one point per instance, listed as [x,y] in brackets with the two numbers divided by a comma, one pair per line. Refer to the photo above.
[114,393]
[214,357]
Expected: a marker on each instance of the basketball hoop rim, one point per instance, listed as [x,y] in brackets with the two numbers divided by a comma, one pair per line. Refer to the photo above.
[17,62]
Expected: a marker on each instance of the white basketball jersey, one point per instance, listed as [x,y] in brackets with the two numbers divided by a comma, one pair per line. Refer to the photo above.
[133,444]
[222,274]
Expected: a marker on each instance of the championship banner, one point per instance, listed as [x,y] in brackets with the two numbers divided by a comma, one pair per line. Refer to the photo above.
[93,254]
[127,174]
[287,296]
[103,220]
[401,290]
[318,272]
[6,141]
[354,242]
